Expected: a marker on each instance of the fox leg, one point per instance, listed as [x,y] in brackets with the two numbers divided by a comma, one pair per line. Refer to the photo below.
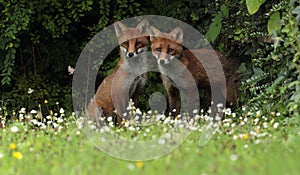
[174,100]
[120,97]
[140,84]
[173,95]
[120,105]
[190,101]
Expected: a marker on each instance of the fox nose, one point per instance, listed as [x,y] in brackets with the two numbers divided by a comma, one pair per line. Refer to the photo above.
[161,61]
[130,54]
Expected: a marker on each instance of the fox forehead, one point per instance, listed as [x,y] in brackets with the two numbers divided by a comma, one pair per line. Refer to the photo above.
[132,34]
[165,43]
[132,43]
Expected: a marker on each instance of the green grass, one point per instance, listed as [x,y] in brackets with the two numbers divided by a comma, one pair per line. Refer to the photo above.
[239,147]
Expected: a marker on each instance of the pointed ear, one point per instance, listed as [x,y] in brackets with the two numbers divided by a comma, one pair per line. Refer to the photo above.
[154,33]
[177,35]
[120,28]
[143,26]
[152,38]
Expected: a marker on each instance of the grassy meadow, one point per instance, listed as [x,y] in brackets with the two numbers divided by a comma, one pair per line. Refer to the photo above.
[245,143]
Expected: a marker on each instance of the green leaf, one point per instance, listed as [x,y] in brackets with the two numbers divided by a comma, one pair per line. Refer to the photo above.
[214,28]
[242,68]
[278,80]
[253,5]
[274,22]
[296,11]
[258,71]
[225,10]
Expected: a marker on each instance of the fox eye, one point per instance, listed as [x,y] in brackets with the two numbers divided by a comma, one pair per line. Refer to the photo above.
[126,43]
[158,49]
[138,43]
[170,50]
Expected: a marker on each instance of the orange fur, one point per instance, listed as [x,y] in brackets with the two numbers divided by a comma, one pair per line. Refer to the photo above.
[167,46]
[112,91]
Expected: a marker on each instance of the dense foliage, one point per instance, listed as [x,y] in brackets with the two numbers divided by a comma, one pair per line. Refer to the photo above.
[38,41]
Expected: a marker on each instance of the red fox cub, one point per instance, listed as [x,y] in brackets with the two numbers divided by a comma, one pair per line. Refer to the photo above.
[167,46]
[124,83]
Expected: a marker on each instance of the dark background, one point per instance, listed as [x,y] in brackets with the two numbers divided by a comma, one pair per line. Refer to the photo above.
[40,39]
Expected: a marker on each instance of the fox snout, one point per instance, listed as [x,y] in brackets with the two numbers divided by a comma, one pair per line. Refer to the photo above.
[161,62]
[132,54]
[163,59]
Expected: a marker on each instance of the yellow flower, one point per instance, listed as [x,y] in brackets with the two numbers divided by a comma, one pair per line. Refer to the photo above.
[245,136]
[12,146]
[139,164]
[46,101]
[18,155]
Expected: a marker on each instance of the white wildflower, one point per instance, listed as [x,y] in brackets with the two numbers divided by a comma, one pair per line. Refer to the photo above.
[102,139]
[168,135]
[233,115]
[111,124]
[131,128]
[60,120]
[136,118]
[130,166]
[109,119]
[220,105]
[30,91]
[23,110]
[147,130]
[195,111]
[234,157]
[33,111]
[126,124]
[43,126]
[233,125]
[91,127]
[129,108]
[138,111]
[61,111]
[89,122]
[167,120]
[161,141]
[14,129]
[71,70]
[265,125]
[55,125]
[226,124]
[253,133]
[257,113]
